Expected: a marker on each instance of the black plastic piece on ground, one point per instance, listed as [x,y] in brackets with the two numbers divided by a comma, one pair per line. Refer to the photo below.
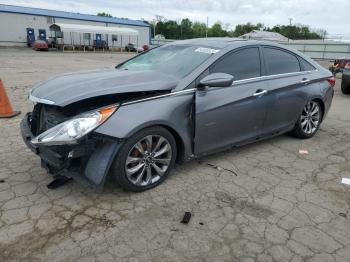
[186,218]
[342,214]
[58,182]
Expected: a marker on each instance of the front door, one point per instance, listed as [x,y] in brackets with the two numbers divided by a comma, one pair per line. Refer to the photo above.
[30,36]
[42,34]
[98,39]
[235,114]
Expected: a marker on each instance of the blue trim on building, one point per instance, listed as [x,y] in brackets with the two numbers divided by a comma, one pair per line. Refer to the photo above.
[68,15]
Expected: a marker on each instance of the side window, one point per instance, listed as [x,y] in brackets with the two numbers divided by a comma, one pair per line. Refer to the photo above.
[306,66]
[280,62]
[242,64]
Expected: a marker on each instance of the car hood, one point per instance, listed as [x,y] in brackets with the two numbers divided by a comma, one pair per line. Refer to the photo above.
[69,88]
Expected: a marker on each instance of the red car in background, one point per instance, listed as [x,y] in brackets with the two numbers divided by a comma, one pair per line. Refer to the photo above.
[40,45]
[343,63]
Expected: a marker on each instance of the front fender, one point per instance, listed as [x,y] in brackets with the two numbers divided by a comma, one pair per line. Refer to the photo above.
[173,110]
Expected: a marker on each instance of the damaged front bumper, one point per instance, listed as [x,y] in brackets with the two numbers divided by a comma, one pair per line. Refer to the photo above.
[87,162]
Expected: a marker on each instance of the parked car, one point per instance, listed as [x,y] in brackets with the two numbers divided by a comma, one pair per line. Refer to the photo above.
[40,45]
[131,47]
[342,62]
[173,103]
[345,82]
[140,49]
[145,47]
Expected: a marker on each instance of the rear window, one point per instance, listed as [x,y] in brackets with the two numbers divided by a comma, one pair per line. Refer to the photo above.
[306,66]
[280,62]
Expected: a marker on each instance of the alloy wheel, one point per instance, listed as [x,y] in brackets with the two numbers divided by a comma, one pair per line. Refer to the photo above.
[310,117]
[148,160]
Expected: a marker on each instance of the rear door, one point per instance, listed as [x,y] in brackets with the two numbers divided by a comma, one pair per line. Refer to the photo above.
[286,86]
[229,115]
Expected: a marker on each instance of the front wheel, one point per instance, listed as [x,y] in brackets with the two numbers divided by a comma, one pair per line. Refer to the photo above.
[309,120]
[145,160]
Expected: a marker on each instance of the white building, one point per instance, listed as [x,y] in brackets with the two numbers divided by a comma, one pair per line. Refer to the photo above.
[265,35]
[16,22]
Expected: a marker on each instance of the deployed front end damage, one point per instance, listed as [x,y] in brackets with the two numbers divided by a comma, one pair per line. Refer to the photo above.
[63,137]
[87,160]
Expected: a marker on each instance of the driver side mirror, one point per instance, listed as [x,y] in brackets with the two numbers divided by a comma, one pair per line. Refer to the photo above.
[217,80]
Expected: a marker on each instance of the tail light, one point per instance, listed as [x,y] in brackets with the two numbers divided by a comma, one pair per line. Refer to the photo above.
[331,80]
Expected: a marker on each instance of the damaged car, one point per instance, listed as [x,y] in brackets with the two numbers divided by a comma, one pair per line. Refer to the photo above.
[172,104]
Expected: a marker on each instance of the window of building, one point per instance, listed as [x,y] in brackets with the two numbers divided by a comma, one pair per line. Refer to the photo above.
[49,20]
[86,36]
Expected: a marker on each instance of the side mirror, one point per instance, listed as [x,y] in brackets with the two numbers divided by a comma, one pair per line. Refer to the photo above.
[217,80]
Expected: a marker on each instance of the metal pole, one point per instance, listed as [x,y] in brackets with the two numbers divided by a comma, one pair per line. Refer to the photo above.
[154,30]
[206,29]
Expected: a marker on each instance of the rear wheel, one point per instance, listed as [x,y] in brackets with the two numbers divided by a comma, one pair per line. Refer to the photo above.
[145,160]
[309,120]
[345,88]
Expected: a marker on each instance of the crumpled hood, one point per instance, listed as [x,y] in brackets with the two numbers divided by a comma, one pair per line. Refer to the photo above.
[69,88]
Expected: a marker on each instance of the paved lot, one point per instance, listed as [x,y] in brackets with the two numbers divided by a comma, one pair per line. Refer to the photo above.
[281,206]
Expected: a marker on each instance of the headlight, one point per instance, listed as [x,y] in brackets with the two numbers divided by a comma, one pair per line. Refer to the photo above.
[71,130]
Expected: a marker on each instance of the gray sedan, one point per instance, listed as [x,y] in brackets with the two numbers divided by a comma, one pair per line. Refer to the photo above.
[172,104]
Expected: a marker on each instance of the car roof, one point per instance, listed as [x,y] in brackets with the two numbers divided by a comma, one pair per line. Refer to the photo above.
[215,42]
[222,42]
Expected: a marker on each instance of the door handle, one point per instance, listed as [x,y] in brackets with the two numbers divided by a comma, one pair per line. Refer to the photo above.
[260,92]
[305,81]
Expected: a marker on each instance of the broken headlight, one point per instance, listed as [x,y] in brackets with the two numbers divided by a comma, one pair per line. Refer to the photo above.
[71,130]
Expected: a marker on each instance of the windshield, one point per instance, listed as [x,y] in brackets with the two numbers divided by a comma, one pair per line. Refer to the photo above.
[176,60]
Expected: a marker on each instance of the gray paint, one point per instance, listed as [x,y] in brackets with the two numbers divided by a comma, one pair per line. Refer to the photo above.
[172,111]
[69,88]
[206,119]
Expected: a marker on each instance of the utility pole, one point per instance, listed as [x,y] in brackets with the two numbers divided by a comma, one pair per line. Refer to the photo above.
[290,25]
[154,29]
[206,29]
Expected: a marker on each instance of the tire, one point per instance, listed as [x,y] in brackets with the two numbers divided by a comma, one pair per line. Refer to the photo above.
[308,122]
[151,169]
[345,88]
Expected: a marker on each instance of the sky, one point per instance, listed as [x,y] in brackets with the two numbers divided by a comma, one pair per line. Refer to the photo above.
[332,16]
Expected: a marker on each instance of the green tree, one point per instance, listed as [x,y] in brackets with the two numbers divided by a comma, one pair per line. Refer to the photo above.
[217,31]
[186,30]
[298,32]
[104,14]
[198,29]
[242,29]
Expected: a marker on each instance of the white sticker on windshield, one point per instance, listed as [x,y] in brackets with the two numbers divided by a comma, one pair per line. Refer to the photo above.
[206,50]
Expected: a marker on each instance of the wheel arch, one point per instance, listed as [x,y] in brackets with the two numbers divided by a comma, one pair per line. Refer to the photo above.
[175,133]
[320,101]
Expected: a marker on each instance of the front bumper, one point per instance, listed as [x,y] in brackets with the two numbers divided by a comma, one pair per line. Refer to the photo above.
[87,162]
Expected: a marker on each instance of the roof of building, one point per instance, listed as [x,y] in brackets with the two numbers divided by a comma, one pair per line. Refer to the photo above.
[69,15]
[264,35]
[93,29]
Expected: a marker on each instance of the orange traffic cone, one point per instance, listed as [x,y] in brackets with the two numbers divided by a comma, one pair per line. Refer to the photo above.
[6,110]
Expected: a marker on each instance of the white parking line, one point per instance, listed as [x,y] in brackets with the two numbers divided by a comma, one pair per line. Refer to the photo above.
[345,181]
